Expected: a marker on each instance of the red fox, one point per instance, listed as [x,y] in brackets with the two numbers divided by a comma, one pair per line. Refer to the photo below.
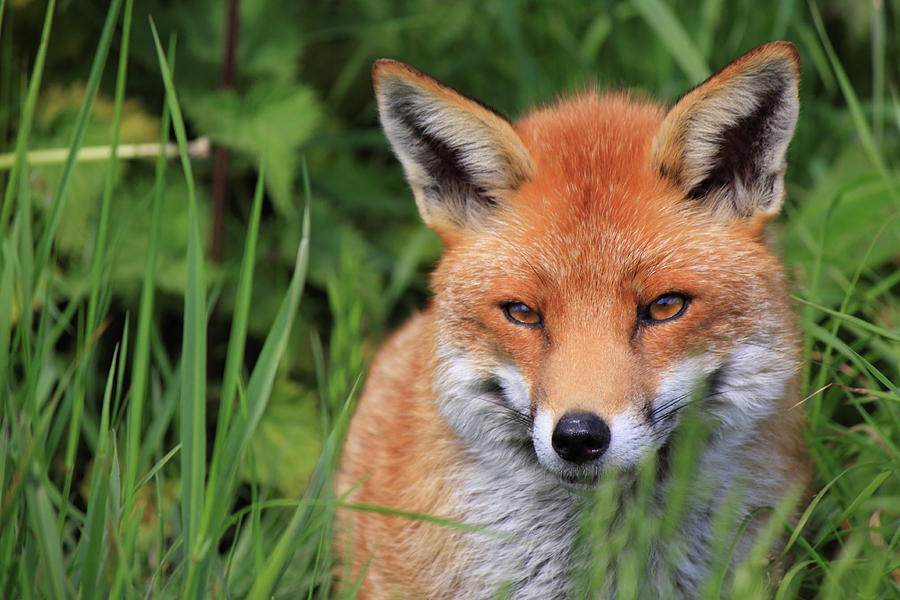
[604,257]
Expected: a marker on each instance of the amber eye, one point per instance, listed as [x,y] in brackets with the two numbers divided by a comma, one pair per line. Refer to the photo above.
[668,306]
[522,314]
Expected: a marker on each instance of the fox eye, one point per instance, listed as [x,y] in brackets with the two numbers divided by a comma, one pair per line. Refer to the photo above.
[522,314]
[666,307]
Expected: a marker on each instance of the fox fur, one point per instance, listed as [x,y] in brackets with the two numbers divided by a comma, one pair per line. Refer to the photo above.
[586,211]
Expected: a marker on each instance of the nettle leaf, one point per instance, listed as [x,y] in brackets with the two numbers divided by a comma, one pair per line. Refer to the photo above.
[58,108]
[268,42]
[269,122]
[130,217]
[129,241]
[287,441]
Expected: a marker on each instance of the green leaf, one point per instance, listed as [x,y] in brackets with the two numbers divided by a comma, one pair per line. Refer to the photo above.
[55,121]
[270,123]
[287,441]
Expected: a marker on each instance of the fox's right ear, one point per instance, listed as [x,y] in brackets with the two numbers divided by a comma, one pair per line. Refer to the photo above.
[461,158]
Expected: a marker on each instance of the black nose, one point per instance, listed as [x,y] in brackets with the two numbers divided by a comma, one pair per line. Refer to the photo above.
[580,437]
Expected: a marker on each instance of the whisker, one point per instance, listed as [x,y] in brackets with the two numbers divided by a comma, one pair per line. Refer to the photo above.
[510,413]
[674,406]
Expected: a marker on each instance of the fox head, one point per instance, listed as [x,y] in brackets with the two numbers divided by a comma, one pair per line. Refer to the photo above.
[605,259]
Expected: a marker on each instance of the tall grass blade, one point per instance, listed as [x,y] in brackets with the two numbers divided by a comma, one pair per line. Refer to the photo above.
[234,360]
[265,582]
[81,123]
[258,390]
[6,296]
[861,323]
[671,33]
[193,372]
[238,335]
[92,550]
[49,233]
[853,104]
[43,527]
[100,255]
[141,363]
[259,387]
[27,119]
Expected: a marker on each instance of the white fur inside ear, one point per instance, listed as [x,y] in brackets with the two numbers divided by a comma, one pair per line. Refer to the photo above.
[725,142]
[459,157]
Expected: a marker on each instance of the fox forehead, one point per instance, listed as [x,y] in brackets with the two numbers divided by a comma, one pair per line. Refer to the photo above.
[592,141]
[595,207]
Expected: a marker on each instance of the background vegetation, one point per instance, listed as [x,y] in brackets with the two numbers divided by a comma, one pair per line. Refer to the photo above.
[170,407]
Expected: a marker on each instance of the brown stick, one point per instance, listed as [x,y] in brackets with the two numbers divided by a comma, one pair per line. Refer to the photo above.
[220,167]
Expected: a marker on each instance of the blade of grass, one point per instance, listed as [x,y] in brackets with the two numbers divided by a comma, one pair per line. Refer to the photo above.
[813,53]
[853,104]
[156,467]
[863,365]
[81,123]
[264,583]
[672,35]
[238,335]
[784,586]
[43,527]
[876,10]
[141,365]
[6,296]
[234,360]
[27,118]
[705,28]
[863,495]
[320,552]
[99,254]
[259,387]
[841,566]
[46,241]
[193,372]
[92,551]
[861,323]
[845,302]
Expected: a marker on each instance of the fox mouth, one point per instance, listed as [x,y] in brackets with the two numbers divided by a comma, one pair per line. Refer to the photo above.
[585,480]
[574,476]
[588,477]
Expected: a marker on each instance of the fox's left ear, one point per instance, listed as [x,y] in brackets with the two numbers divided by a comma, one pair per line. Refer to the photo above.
[724,143]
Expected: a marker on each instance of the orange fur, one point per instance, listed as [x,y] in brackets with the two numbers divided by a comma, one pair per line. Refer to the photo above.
[593,228]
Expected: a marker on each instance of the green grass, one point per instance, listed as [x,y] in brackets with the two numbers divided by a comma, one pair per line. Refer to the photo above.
[170,425]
